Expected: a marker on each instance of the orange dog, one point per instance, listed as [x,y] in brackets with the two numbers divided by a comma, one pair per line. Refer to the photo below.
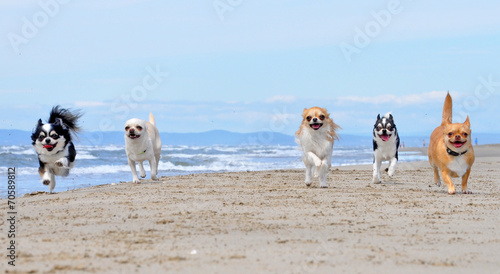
[450,150]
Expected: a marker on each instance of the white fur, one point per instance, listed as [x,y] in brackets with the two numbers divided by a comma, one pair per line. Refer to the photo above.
[56,161]
[458,165]
[317,147]
[386,151]
[146,147]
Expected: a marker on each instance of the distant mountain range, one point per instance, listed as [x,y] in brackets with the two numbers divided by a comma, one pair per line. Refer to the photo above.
[222,137]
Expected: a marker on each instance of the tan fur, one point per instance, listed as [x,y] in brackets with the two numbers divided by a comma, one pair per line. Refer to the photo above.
[152,119]
[315,112]
[445,165]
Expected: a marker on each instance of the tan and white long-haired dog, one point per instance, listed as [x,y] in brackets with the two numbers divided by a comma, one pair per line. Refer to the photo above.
[315,138]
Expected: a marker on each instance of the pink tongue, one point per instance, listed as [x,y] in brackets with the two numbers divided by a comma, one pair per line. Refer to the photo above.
[385,137]
[315,126]
[458,144]
[47,146]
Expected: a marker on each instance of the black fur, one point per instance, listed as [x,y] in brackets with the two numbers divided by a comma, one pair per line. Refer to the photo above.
[62,124]
[68,117]
[391,121]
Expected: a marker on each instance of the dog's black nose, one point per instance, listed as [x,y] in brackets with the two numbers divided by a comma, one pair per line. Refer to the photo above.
[47,140]
[315,119]
[131,130]
[384,131]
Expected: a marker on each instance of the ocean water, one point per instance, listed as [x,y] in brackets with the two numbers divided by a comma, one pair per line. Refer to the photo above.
[98,165]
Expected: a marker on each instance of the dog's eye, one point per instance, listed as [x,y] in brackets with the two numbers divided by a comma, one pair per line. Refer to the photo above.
[450,134]
[54,136]
[127,128]
[139,128]
[322,117]
[309,118]
[465,134]
[41,137]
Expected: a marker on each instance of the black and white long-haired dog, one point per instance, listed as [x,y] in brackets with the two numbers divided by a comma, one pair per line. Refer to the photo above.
[52,143]
[385,145]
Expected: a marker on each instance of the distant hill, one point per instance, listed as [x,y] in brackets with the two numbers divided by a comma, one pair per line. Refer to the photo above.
[215,137]
[222,137]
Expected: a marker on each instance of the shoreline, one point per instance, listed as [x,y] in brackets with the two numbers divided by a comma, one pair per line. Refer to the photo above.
[266,221]
[488,150]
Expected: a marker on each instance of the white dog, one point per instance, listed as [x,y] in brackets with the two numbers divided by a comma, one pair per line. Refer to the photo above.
[315,138]
[142,142]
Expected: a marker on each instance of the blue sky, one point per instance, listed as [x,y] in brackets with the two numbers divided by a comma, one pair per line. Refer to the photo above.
[247,66]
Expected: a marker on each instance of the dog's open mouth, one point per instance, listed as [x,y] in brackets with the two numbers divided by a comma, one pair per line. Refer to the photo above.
[384,137]
[134,136]
[50,147]
[458,144]
[316,126]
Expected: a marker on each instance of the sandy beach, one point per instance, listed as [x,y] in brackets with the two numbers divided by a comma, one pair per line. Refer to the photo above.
[265,222]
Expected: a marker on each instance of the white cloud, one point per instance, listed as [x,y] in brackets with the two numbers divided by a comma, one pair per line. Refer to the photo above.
[402,100]
[281,99]
[89,104]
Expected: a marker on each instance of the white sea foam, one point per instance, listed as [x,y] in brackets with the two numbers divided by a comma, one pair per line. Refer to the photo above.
[105,164]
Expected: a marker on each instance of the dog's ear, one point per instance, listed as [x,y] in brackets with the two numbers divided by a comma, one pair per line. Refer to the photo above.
[60,122]
[467,122]
[325,112]
[378,117]
[304,113]
[40,123]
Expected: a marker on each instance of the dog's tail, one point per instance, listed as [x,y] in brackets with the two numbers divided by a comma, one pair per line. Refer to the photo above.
[447,110]
[68,117]
[152,119]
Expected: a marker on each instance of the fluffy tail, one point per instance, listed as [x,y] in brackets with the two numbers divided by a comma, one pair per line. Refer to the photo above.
[152,119]
[447,110]
[68,117]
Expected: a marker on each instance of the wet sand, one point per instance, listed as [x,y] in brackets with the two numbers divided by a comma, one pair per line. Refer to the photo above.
[266,222]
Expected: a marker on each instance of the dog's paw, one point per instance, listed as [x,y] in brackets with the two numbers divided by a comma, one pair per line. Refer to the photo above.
[154,177]
[466,192]
[46,182]
[451,191]
[323,186]
[62,163]
[316,173]
[308,184]
[317,162]
[377,182]
[136,181]
[143,175]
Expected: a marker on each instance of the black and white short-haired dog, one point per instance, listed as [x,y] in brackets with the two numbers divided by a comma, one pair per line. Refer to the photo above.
[385,145]
[52,143]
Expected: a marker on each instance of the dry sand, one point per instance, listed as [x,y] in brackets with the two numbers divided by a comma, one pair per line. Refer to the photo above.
[266,222]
